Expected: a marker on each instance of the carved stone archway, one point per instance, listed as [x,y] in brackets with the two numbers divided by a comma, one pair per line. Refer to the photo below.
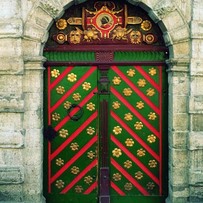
[176,35]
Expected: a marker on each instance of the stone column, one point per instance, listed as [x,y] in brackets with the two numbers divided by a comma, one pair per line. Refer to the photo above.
[11,103]
[33,123]
[178,74]
[195,139]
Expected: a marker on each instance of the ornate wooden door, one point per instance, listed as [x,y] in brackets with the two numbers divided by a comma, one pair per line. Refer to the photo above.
[105,129]
[104,140]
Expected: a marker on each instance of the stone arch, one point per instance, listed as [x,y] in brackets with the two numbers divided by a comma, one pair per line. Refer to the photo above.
[176,35]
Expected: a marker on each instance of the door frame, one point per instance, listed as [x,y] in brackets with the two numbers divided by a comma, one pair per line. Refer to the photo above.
[104,58]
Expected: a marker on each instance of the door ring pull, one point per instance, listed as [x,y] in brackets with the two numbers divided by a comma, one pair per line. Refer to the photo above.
[77,116]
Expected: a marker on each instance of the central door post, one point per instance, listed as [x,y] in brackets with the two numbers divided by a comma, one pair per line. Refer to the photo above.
[104,180]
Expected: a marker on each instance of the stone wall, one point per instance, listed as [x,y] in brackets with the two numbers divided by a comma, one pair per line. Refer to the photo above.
[24,27]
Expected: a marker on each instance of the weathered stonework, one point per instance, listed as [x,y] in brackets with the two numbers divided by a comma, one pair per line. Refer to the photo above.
[24,28]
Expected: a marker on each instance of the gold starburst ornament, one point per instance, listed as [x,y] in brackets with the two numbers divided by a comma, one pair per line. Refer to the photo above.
[116,105]
[141,152]
[60,89]
[75,170]
[59,162]
[138,125]
[128,117]
[90,130]
[151,138]
[117,152]
[91,155]
[150,92]
[128,186]
[152,163]
[67,105]
[140,105]
[59,184]
[63,133]
[74,146]
[76,96]
[86,86]
[116,80]
[117,176]
[88,179]
[152,116]
[56,117]
[139,175]
[131,72]
[55,73]
[141,82]
[129,142]
[91,106]
[128,164]
[72,77]
[150,185]
[117,130]
[78,189]
[152,71]
[127,92]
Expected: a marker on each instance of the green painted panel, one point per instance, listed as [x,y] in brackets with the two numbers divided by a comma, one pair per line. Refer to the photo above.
[137,131]
[137,128]
[139,56]
[69,56]
[70,168]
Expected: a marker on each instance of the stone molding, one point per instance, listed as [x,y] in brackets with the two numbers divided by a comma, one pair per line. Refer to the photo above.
[11,175]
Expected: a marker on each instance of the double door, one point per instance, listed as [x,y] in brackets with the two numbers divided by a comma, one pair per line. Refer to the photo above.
[105,134]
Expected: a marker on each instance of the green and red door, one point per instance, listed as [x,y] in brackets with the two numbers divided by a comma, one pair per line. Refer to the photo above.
[105,106]
[105,134]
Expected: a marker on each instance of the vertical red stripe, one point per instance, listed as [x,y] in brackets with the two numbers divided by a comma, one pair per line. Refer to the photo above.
[160,130]
[49,123]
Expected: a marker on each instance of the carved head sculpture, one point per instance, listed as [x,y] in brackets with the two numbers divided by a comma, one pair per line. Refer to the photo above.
[136,37]
[75,36]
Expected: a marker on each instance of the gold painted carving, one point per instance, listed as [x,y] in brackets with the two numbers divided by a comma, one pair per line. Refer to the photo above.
[117,152]
[128,164]
[117,130]
[59,184]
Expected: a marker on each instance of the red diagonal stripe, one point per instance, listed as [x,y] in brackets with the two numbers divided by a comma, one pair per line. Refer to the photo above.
[74,135]
[117,189]
[74,158]
[147,77]
[73,88]
[81,104]
[135,136]
[91,188]
[135,112]
[129,177]
[135,160]
[61,76]
[135,89]
[86,170]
